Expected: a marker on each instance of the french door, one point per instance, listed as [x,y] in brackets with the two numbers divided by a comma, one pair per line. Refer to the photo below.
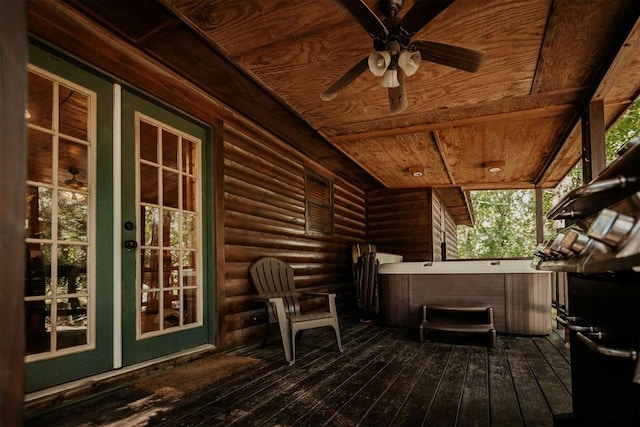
[117,241]
[165,250]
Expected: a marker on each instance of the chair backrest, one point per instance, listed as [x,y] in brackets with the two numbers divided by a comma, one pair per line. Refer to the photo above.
[274,278]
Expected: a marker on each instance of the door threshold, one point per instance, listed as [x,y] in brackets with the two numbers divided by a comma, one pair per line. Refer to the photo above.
[62,394]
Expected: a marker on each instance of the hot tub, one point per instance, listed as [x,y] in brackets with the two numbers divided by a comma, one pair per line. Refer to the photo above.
[520,295]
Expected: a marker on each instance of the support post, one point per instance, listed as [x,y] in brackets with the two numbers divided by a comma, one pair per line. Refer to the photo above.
[13,169]
[593,141]
[539,216]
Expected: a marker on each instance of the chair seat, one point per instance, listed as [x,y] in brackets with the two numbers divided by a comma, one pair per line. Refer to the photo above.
[309,316]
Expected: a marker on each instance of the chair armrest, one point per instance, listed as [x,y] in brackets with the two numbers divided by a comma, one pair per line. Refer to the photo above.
[319,294]
[267,297]
[331,298]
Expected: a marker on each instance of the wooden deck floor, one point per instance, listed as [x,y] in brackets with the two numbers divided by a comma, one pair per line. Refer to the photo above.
[384,377]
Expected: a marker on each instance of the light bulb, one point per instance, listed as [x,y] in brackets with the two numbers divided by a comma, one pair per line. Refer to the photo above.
[409,62]
[379,62]
[390,79]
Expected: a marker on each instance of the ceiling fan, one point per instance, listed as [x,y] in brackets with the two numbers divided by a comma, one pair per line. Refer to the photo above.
[395,55]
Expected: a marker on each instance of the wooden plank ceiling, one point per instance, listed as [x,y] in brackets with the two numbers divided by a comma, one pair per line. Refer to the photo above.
[545,60]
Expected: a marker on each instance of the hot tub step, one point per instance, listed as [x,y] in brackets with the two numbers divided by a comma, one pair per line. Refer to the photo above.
[464,319]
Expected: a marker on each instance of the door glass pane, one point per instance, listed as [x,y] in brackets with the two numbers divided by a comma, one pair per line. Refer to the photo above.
[73,158]
[149,315]
[150,268]
[170,187]
[190,307]
[58,281]
[39,156]
[149,184]
[171,249]
[189,150]
[38,212]
[151,218]
[72,322]
[72,216]
[40,103]
[169,149]
[148,142]
[189,195]
[172,232]
[189,231]
[171,267]
[73,113]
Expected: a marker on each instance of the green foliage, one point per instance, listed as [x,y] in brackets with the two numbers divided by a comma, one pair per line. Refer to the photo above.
[505,220]
[626,128]
[503,225]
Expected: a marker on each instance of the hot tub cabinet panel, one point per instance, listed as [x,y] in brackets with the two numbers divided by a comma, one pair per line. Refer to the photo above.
[519,295]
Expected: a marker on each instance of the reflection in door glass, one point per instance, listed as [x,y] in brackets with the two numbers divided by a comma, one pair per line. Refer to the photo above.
[59,284]
[169,205]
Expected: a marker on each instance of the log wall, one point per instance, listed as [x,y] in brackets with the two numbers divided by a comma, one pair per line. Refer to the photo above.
[451,236]
[401,222]
[444,231]
[264,197]
[437,212]
[411,223]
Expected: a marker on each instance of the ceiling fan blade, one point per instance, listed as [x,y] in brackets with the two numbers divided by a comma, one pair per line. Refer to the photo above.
[421,13]
[398,96]
[366,18]
[458,57]
[339,85]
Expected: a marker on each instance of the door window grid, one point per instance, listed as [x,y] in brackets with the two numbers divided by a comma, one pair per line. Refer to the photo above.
[170,273]
[59,279]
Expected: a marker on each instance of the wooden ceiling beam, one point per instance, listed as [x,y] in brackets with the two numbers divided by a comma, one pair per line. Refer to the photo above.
[628,51]
[447,168]
[553,110]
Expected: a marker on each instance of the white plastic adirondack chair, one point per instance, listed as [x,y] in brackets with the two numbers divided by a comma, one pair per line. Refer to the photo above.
[273,280]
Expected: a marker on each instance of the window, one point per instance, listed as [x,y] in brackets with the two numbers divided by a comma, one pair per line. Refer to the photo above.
[319,203]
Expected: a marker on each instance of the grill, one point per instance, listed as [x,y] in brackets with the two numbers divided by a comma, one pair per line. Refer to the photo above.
[600,252]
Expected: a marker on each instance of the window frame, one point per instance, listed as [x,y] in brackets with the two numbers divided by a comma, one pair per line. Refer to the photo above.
[312,202]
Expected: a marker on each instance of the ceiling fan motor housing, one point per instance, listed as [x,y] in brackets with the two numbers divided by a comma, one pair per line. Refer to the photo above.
[390,8]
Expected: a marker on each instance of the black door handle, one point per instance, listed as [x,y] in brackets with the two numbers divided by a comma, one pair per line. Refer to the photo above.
[130,244]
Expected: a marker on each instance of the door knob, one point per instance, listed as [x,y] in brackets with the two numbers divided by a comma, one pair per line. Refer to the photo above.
[130,244]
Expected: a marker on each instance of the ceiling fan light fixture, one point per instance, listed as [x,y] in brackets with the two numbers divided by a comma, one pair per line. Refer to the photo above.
[390,79]
[379,62]
[409,62]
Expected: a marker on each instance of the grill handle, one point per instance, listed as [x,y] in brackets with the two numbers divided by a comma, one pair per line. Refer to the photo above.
[566,322]
[608,351]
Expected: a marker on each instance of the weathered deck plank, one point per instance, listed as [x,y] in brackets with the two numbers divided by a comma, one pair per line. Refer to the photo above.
[384,410]
[532,402]
[445,406]
[384,377]
[424,390]
[474,410]
[557,396]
